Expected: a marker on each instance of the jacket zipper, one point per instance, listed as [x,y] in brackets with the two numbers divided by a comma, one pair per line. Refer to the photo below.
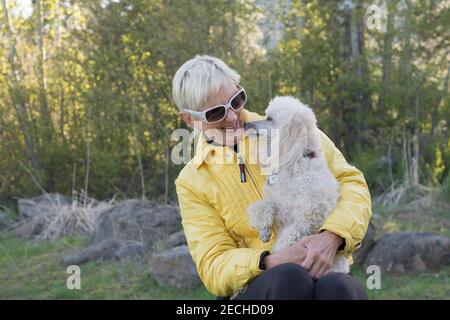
[243,169]
[254,183]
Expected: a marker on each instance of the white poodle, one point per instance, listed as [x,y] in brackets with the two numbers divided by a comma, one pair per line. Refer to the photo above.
[301,192]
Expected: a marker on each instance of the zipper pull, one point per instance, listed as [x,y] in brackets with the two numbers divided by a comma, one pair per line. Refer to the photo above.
[242,172]
[241,166]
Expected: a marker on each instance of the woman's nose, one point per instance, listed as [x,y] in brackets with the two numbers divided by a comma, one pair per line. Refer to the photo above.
[232,115]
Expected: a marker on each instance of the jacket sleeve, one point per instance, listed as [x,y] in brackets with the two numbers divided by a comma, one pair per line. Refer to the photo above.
[350,218]
[222,266]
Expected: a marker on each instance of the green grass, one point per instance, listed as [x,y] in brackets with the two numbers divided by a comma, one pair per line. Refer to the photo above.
[31,270]
[435,286]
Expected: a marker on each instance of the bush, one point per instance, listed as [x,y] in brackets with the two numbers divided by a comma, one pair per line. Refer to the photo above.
[444,194]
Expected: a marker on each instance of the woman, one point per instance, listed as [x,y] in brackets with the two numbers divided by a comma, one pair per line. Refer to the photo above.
[220,182]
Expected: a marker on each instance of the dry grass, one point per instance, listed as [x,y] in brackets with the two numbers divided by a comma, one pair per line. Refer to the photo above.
[406,194]
[77,219]
[412,208]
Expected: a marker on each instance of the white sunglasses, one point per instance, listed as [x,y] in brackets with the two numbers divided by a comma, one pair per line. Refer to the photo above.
[219,112]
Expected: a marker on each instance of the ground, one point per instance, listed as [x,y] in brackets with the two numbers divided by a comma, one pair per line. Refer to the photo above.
[31,270]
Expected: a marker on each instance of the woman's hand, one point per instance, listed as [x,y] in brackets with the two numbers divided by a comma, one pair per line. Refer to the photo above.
[321,250]
[292,254]
[315,253]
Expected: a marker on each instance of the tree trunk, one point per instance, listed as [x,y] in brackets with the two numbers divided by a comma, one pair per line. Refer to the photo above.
[364,95]
[387,66]
[434,114]
[46,122]
[18,101]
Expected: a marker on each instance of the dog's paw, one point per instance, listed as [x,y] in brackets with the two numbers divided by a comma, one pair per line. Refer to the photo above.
[265,234]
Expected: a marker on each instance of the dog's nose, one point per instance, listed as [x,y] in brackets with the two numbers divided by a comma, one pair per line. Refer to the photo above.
[249,125]
[251,129]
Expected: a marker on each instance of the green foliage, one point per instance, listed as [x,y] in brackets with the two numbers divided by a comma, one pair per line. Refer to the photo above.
[445,190]
[96,112]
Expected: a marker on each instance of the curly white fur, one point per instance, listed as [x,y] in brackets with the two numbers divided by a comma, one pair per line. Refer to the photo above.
[306,191]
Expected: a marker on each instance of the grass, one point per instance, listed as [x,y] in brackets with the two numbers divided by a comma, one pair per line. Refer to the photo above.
[432,217]
[430,285]
[32,271]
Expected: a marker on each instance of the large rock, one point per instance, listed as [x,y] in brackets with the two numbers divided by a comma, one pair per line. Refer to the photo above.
[142,221]
[175,268]
[32,227]
[367,244]
[32,207]
[107,250]
[176,239]
[129,230]
[409,252]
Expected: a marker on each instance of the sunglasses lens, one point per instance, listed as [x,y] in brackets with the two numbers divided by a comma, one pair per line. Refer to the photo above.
[215,114]
[238,101]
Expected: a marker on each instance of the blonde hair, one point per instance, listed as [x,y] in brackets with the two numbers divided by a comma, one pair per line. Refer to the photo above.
[198,79]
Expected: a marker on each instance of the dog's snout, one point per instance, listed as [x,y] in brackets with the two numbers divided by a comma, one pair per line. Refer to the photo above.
[257,125]
[249,125]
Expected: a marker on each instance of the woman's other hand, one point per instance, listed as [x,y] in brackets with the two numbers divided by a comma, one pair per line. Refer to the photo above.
[292,254]
[321,251]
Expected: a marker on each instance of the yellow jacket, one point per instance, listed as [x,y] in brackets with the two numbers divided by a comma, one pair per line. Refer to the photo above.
[213,202]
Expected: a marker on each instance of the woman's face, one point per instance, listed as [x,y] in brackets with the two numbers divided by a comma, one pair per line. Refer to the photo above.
[229,130]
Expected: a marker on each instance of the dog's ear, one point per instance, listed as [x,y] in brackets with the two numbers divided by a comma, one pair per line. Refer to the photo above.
[296,128]
[293,140]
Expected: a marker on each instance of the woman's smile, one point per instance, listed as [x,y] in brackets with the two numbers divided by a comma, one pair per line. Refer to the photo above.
[230,130]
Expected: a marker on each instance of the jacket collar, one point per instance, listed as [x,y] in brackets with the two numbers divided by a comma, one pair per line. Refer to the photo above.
[205,149]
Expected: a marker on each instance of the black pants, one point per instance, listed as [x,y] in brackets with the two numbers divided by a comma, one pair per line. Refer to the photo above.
[292,282]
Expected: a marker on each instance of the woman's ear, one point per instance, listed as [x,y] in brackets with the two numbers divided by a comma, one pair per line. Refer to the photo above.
[186,118]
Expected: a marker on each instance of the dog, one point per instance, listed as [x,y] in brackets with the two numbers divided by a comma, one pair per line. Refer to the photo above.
[301,192]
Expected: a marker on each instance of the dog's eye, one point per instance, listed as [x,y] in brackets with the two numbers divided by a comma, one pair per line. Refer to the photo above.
[269,119]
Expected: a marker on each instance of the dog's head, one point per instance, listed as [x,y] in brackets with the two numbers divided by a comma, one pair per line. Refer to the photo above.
[293,123]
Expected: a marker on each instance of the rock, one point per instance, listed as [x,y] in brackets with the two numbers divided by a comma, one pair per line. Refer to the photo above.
[129,230]
[409,252]
[31,227]
[32,207]
[176,239]
[103,250]
[107,250]
[367,244]
[142,221]
[130,250]
[418,264]
[175,268]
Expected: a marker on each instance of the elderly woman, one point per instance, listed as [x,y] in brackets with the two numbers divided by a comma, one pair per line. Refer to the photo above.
[214,194]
